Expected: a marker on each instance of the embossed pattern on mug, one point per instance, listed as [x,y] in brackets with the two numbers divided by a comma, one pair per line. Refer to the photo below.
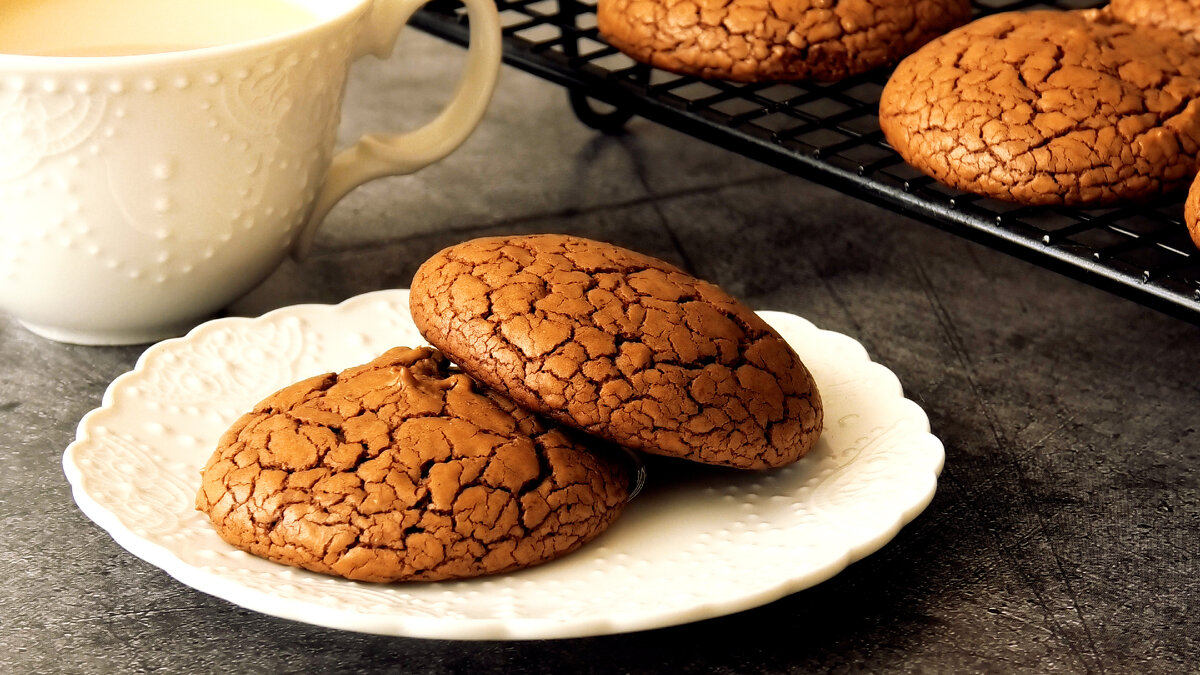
[274,126]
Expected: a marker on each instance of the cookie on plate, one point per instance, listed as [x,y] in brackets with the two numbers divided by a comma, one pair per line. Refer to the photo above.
[620,345]
[1050,107]
[404,469]
[755,40]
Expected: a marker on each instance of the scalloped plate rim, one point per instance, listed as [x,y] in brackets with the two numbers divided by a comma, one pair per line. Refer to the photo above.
[494,628]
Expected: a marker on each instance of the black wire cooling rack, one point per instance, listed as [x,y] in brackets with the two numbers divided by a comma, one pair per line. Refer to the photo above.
[829,133]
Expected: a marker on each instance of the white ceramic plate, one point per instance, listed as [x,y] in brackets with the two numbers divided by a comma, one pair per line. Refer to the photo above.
[700,543]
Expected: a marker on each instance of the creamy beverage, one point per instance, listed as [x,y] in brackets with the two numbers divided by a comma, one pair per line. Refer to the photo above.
[124,27]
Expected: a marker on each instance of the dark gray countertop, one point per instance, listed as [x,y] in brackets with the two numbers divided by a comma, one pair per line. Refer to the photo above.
[1063,537]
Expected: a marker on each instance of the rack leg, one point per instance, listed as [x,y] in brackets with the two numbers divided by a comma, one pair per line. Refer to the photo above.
[610,122]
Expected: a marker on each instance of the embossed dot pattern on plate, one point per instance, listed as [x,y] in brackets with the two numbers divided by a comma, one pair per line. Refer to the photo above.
[696,543]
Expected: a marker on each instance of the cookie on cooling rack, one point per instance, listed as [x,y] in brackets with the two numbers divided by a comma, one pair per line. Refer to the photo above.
[1191,211]
[1050,107]
[403,469]
[755,40]
[620,345]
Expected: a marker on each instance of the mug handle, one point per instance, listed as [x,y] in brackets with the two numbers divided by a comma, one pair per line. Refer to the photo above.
[378,155]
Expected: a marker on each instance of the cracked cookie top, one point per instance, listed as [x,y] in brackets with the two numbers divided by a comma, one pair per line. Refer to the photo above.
[756,40]
[405,469]
[1050,107]
[1179,15]
[620,345]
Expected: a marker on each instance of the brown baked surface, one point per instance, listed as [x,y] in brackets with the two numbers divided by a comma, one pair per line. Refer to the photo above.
[620,345]
[1191,211]
[756,40]
[1178,15]
[401,469]
[1050,107]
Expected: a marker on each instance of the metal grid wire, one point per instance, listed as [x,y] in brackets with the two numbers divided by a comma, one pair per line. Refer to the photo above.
[829,133]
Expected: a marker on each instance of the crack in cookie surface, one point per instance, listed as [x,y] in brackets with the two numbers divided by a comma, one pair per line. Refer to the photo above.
[1050,107]
[403,469]
[620,345]
[754,40]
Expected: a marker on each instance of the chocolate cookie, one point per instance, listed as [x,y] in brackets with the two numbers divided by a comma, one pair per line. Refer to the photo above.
[1178,15]
[1191,212]
[754,40]
[620,345]
[402,469]
[1050,107]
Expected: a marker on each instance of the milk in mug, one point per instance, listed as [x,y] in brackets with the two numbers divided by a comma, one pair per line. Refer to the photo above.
[126,27]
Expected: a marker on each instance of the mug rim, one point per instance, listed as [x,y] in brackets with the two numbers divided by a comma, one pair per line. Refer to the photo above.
[13,63]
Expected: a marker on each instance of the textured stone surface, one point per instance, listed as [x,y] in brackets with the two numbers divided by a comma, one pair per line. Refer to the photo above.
[1050,107]
[756,40]
[1062,538]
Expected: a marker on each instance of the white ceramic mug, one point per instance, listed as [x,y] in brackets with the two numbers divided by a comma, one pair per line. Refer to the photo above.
[140,194]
